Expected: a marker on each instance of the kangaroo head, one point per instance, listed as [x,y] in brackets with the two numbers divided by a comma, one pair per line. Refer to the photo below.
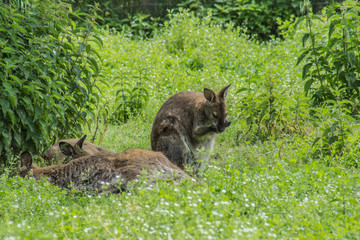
[215,108]
[75,151]
[26,163]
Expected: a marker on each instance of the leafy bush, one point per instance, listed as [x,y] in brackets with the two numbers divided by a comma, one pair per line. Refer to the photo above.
[48,71]
[258,17]
[138,18]
[331,72]
[335,124]
[332,57]
[140,25]
[269,112]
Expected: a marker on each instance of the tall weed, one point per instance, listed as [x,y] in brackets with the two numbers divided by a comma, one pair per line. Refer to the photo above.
[332,57]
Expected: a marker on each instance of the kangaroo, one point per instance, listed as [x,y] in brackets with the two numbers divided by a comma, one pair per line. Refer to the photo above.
[105,172]
[186,125]
[80,148]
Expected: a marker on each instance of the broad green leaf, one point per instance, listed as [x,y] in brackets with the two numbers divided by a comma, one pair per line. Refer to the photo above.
[345,101]
[332,28]
[306,69]
[308,85]
[8,50]
[22,115]
[11,114]
[5,133]
[351,79]
[93,52]
[19,15]
[17,138]
[305,37]
[19,28]
[263,112]
[73,24]
[352,58]
[13,100]
[299,20]
[98,41]
[94,65]
[333,102]
[5,106]
[88,49]
[303,54]
[68,46]
[18,81]
[242,90]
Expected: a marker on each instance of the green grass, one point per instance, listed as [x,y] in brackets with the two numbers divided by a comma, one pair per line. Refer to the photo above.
[247,192]
[274,189]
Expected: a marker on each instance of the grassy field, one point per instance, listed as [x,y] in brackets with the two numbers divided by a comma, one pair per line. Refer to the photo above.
[261,183]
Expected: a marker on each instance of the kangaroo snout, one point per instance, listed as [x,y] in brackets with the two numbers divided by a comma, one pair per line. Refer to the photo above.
[227,123]
[222,127]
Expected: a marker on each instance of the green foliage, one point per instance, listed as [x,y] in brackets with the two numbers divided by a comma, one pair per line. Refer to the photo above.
[140,25]
[336,124]
[129,101]
[257,18]
[269,112]
[139,19]
[283,188]
[48,71]
[332,58]
[192,53]
[248,193]
[331,73]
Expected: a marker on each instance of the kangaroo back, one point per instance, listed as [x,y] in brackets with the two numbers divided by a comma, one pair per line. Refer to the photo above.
[109,173]
[60,151]
[185,127]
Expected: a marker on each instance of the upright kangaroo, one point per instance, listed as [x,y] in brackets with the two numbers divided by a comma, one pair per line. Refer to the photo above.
[105,173]
[185,127]
[80,148]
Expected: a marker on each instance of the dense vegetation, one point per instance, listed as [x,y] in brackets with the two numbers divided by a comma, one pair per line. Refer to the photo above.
[286,168]
[259,18]
[48,71]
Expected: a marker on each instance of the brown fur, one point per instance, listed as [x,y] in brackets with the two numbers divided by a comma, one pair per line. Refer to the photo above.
[80,148]
[110,171]
[188,122]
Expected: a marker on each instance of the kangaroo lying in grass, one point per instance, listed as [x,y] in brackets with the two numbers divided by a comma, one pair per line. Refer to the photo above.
[80,148]
[105,172]
[186,125]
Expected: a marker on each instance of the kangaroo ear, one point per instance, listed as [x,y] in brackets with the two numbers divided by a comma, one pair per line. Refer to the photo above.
[66,149]
[223,92]
[26,159]
[209,95]
[80,142]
